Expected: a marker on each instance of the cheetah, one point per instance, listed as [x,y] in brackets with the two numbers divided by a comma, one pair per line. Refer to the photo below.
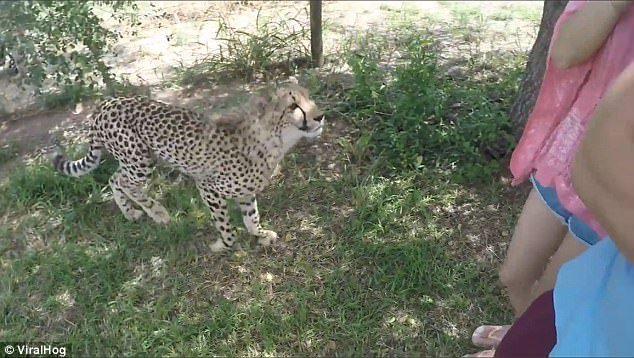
[234,159]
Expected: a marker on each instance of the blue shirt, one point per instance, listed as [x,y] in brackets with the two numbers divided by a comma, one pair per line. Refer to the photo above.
[594,304]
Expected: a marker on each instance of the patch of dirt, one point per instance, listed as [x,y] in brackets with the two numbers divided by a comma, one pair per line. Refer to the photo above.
[28,132]
[33,136]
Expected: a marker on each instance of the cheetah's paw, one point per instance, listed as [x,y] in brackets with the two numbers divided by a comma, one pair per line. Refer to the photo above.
[267,237]
[218,246]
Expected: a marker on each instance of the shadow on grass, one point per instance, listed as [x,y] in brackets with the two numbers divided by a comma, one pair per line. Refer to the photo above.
[363,265]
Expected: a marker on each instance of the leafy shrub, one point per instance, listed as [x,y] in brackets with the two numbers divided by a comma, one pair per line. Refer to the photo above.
[60,41]
[418,116]
[275,46]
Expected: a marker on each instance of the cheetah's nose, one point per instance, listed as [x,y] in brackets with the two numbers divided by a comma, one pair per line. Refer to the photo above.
[319,118]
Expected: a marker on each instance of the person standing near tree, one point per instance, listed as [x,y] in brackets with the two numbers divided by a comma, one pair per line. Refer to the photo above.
[592,44]
[589,312]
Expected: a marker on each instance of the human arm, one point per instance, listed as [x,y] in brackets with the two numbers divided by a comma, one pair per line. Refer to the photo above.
[585,32]
[603,170]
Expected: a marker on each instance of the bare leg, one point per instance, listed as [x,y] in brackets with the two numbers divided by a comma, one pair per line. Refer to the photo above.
[491,336]
[526,271]
[568,250]
[537,236]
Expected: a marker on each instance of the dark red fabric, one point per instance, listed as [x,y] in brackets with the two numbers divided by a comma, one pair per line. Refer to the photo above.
[533,334]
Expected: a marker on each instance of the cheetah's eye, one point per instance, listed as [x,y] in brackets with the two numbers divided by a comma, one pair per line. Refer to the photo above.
[293,106]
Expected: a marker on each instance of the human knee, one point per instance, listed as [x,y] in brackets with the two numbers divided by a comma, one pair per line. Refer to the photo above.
[511,277]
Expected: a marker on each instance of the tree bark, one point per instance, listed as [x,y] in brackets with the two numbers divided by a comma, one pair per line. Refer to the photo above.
[536,65]
[316,44]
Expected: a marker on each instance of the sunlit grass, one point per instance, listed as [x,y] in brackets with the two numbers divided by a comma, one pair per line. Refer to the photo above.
[376,265]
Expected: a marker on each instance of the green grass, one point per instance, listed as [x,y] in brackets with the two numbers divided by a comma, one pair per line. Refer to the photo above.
[518,12]
[380,253]
[464,11]
[364,265]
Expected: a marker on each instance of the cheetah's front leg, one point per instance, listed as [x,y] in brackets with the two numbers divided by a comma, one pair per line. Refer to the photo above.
[218,207]
[251,219]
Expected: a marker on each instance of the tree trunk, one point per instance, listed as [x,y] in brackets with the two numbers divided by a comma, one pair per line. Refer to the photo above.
[316,44]
[529,88]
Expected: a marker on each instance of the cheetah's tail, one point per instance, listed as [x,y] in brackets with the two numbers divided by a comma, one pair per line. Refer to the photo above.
[76,168]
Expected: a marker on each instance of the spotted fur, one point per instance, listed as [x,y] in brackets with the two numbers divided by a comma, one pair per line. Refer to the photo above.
[228,159]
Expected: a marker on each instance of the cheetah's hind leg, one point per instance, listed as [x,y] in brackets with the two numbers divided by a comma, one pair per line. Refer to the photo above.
[123,202]
[133,186]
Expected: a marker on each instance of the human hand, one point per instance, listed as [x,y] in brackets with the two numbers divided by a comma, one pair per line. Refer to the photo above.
[585,31]
[620,6]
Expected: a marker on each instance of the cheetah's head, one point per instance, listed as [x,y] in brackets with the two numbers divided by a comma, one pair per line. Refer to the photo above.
[296,114]
[288,113]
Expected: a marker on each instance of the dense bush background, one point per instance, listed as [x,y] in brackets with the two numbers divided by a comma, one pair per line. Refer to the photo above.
[61,44]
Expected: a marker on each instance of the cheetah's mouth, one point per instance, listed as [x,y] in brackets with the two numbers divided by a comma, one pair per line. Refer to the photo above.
[318,128]
[314,133]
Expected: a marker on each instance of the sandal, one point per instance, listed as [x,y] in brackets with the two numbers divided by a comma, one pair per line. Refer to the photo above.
[488,353]
[489,336]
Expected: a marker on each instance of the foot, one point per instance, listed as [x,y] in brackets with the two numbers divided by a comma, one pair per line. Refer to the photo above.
[488,353]
[267,237]
[489,336]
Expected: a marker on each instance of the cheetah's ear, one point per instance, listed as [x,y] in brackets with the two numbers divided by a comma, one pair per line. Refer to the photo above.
[293,80]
